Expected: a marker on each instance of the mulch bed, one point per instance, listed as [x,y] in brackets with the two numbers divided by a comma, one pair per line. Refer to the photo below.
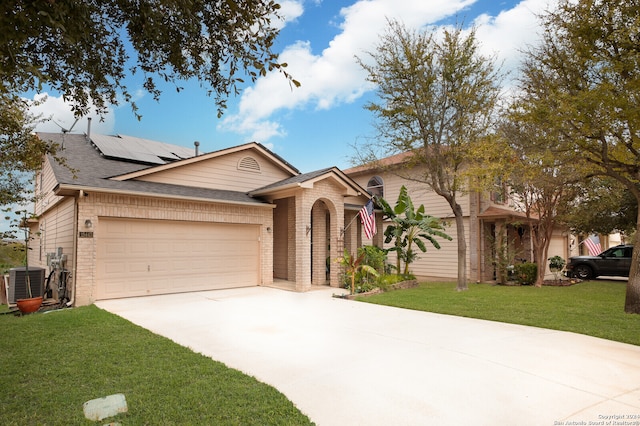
[561,282]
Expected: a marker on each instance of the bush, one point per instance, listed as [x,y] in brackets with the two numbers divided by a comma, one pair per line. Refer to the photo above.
[387,280]
[556,263]
[526,273]
[374,257]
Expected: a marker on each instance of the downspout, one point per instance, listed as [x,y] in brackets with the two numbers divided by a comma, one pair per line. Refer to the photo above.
[72,300]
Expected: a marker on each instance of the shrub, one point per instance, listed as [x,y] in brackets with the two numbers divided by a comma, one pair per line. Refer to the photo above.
[374,257]
[526,273]
[387,280]
[557,263]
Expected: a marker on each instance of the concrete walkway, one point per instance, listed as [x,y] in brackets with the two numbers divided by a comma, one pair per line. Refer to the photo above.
[349,363]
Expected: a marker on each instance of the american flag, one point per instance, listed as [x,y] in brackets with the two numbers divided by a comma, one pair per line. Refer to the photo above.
[368,219]
[593,244]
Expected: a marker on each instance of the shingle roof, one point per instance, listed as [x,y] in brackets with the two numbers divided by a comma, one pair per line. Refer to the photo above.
[303,177]
[87,168]
[380,164]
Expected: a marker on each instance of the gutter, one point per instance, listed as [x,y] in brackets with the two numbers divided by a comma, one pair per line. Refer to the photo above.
[276,189]
[89,189]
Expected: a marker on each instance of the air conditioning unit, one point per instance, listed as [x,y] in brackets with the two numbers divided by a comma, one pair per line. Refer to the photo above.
[18,283]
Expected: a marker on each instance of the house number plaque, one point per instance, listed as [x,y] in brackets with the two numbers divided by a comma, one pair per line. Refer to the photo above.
[86,234]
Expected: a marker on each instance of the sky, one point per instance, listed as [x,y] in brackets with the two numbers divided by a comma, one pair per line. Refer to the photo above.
[318,124]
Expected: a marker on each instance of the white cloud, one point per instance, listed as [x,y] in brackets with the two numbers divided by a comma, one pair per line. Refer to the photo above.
[57,114]
[333,77]
[289,11]
[512,31]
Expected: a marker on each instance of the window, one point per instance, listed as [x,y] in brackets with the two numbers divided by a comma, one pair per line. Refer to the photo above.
[499,195]
[376,186]
[249,164]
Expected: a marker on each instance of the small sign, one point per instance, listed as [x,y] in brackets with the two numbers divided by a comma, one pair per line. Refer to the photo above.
[86,234]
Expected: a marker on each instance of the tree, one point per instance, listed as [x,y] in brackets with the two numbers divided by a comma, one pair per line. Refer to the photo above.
[82,49]
[437,95]
[583,81]
[544,184]
[409,226]
[603,207]
[20,150]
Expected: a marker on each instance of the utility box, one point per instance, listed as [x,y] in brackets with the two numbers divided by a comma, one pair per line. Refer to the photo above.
[18,283]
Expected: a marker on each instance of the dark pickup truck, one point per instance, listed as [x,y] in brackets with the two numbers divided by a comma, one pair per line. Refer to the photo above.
[615,261]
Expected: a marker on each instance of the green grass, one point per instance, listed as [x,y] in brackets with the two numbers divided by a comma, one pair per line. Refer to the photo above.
[52,363]
[594,308]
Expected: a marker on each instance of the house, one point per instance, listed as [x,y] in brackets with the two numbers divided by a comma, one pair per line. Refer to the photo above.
[492,224]
[135,217]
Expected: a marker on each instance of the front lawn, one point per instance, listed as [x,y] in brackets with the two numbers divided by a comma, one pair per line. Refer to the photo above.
[595,308]
[52,363]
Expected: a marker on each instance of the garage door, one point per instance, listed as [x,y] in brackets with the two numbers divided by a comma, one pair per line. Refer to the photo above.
[145,257]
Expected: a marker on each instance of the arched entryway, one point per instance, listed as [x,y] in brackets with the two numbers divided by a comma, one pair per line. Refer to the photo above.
[321,239]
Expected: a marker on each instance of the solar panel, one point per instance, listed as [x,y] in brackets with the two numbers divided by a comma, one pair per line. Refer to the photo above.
[140,150]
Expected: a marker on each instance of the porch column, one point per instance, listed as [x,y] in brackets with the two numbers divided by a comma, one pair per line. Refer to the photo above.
[337,243]
[303,242]
[351,234]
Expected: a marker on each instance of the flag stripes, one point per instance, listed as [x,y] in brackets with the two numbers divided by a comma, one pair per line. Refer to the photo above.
[368,219]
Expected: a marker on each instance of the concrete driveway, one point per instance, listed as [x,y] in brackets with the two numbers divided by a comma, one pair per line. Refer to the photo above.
[349,363]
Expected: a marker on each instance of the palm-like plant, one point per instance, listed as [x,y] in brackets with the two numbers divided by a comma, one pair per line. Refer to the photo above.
[354,264]
[410,226]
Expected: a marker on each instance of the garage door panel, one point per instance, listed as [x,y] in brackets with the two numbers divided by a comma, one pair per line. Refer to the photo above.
[143,257]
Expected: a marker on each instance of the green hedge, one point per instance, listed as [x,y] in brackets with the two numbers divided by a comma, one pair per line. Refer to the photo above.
[526,273]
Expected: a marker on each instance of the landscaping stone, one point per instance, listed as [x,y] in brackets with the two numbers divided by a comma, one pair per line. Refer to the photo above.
[396,286]
[108,406]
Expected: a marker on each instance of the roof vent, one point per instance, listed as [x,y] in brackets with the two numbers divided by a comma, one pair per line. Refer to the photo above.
[249,164]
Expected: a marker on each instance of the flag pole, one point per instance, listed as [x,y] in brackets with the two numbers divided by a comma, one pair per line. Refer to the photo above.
[343,230]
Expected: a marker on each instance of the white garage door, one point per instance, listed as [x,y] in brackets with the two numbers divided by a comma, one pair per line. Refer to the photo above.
[145,257]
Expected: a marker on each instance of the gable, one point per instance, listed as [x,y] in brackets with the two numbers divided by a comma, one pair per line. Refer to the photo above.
[242,170]
[347,187]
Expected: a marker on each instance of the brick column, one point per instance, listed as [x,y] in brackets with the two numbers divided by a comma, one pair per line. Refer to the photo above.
[303,242]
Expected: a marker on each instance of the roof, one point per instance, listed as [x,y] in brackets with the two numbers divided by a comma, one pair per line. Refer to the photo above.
[88,169]
[122,147]
[500,213]
[307,180]
[380,164]
[183,162]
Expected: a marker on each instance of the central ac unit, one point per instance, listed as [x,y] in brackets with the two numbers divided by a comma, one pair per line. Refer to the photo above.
[18,283]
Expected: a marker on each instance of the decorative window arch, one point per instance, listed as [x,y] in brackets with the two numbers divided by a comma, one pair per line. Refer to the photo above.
[375,186]
[249,164]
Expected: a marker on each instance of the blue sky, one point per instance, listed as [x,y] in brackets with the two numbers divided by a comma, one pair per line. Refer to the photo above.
[316,125]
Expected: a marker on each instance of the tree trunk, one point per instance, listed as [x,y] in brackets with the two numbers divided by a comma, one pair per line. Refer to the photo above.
[542,251]
[632,299]
[462,249]
[541,261]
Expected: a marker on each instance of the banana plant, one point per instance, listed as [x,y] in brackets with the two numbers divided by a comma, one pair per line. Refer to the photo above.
[409,226]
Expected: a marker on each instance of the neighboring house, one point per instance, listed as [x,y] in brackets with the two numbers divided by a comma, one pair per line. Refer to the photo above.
[137,217]
[490,221]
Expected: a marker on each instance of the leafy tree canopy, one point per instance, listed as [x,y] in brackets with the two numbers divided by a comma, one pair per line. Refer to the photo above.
[437,96]
[605,206]
[86,49]
[583,81]
[20,150]
[83,49]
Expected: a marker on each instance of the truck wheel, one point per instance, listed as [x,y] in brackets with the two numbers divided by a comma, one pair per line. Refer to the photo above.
[583,272]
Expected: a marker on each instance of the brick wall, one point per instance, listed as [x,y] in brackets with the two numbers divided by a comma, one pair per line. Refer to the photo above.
[98,205]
